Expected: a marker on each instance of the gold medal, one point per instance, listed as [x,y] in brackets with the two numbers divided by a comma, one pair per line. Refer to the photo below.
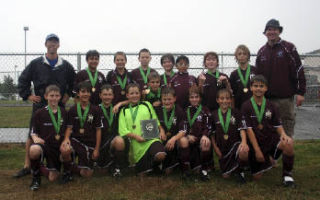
[147,91]
[81,130]
[226,137]
[57,137]
[260,126]
[168,134]
[93,89]
[245,90]
[134,126]
[123,92]
[145,87]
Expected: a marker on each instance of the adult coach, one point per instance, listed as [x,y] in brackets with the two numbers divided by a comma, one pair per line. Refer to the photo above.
[43,71]
[279,61]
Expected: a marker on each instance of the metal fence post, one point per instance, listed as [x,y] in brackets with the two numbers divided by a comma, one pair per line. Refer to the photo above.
[79,61]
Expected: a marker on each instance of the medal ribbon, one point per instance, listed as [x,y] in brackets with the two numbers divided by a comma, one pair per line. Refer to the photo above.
[191,121]
[151,95]
[82,118]
[56,123]
[93,80]
[259,114]
[110,117]
[165,77]
[144,76]
[123,82]
[134,112]
[225,126]
[216,75]
[244,81]
[165,116]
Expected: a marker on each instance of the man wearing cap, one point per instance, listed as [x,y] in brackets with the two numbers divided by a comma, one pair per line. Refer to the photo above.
[44,71]
[279,61]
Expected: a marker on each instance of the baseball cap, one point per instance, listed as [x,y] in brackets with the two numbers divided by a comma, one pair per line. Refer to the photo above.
[273,23]
[52,36]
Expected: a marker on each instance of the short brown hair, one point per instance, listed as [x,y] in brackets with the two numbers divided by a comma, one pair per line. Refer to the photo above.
[51,88]
[194,89]
[243,48]
[210,53]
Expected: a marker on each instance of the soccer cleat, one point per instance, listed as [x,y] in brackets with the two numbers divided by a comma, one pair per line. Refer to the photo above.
[116,173]
[22,172]
[35,185]
[67,177]
[241,178]
[204,176]
[288,182]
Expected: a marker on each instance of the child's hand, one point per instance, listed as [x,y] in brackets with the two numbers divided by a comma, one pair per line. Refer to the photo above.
[37,140]
[156,103]
[259,156]
[243,147]
[191,138]
[115,109]
[222,78]
[205,143]
[139,138]
[95,154]
[170,144]
[202,79]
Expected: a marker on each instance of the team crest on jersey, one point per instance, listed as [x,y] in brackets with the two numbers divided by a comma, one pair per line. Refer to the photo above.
[233,120]
[280,54]
[268,114]
[90,118]
[174,120]
[61,121]
[100,79]
[243,123]
[199,118]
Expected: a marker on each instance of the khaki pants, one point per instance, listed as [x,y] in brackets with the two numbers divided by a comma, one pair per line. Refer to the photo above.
[287,115]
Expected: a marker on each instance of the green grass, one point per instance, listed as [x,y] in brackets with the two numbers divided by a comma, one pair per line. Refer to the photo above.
[102,186]
[15,117]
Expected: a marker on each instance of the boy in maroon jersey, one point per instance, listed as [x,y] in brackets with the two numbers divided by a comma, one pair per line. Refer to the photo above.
[197,154]
[47,128]
[91,75]
[266,134]
[83,135]
[167,62]
[240,78]
[172,119]
[154,95]
[182,81]
[229,137]
[119,78]
[140,74]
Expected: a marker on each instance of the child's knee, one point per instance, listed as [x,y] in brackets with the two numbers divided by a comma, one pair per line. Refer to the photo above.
[160,156]
[183,142]
[53,175]
[35,152]
[118,143]
[243,155]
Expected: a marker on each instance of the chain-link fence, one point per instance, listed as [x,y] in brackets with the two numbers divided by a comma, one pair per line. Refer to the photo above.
[11,66]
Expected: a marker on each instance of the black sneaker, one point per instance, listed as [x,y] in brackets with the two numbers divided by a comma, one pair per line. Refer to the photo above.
[241,179]
[67,177]
[22,172]
[288,182]
[186,175]
[204,176]
[35,185]
[116,173]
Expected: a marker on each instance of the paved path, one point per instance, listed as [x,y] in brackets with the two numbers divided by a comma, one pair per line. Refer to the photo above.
[307,127]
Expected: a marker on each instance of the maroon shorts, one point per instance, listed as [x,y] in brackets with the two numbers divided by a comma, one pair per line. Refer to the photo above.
[52,155]
[146,163]
[230,161]
[84,154]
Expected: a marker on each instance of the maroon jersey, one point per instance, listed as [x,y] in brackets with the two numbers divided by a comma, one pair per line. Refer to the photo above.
[137,78]
[281,65]
[92,122]
[270,121]
[203,123]
[162,83]
[237,123]
[108,132]
[179,122]
[210,89]
[181,82]
[83,76]
[113,81]
[237,87]
[43,126]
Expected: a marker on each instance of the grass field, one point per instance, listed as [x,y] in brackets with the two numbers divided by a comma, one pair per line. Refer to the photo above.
[102,186]
[15,117]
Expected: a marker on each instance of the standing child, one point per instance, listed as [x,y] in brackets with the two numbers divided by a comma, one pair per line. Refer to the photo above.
[229,137]
[47,128]
[167,62]
[172,119]
[92,75]
[145,154]
[266,134]
[112,145]
[83,134]
[198,152]
[182,81]
[140,74]
[154,96]
[211,81]
[119,78]
[240,78]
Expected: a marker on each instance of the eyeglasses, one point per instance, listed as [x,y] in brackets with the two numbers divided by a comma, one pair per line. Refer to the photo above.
[182,64]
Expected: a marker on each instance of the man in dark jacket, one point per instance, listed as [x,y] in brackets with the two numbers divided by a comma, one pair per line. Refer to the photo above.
[44,71]
[279,62]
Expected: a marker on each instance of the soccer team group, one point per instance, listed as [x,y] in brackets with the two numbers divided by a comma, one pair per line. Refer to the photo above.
[246,119]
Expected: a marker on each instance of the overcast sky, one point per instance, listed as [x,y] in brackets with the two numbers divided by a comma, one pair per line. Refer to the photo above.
[160,25]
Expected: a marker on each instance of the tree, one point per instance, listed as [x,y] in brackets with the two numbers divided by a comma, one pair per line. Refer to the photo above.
[8,88]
